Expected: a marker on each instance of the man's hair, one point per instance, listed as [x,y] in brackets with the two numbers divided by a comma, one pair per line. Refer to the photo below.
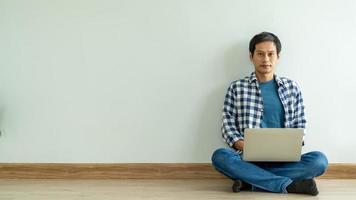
[263,37]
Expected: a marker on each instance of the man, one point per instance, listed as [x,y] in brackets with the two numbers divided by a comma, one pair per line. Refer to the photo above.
[265,100]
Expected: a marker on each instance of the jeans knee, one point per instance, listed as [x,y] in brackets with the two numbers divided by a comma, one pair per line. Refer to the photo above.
[219,156]
[319,162]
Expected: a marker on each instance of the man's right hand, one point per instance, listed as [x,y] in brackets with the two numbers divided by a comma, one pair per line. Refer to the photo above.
[239,145]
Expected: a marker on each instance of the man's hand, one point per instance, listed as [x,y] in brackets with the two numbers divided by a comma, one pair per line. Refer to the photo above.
[239,145]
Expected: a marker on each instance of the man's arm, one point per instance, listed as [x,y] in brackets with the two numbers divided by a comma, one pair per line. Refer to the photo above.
[239,145]
[299,115]
[229,124]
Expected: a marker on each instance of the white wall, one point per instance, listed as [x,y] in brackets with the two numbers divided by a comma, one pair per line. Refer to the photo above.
[144,81]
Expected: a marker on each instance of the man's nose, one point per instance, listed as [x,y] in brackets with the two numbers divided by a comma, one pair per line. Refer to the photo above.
[265,58]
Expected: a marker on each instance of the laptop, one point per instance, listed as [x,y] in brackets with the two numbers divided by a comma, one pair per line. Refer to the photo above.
[273,144]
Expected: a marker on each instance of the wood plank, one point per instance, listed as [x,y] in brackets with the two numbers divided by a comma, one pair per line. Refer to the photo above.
[340,171]
[107,171]
[136,171]
[160,189]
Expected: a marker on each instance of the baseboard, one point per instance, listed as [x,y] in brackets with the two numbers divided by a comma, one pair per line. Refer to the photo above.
[136,171]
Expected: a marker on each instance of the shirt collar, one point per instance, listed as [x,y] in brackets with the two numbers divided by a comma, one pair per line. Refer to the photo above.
[253,78]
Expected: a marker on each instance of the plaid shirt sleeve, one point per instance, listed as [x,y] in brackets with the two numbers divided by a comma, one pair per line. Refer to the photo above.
[299,115]
[229,128]
[299,119]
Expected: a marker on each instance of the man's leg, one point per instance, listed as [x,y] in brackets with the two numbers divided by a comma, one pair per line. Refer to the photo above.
[229,163]
[311,165]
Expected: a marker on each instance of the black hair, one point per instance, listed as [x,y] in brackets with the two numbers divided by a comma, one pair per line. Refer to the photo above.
[263,37]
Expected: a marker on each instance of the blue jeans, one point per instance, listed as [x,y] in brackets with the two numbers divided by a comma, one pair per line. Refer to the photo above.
[269,176]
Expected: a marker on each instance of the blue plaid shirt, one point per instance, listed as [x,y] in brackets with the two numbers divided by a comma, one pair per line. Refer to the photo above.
[243,107]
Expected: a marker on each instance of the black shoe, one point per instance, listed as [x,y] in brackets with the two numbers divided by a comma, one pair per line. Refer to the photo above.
[307,186]
[240,186]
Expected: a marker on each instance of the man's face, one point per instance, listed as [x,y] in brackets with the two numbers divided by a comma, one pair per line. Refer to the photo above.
[265,58]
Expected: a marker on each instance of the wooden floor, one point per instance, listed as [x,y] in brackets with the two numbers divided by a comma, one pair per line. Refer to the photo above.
[157,189]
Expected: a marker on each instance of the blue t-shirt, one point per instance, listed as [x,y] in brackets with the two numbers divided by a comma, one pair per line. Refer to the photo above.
[273,111]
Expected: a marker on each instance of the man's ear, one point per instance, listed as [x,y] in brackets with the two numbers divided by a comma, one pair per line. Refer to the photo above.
[251,56]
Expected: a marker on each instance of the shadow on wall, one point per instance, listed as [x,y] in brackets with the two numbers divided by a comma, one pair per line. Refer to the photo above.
[236,64]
